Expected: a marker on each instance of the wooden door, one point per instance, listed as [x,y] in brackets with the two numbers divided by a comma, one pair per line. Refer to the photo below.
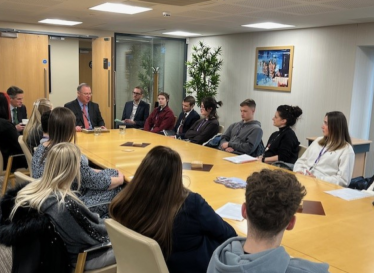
[102,77]
[24,63]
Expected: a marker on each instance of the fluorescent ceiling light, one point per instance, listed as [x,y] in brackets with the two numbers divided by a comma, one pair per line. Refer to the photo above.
[120,8]
[182,33]
[267,25]
[59,22]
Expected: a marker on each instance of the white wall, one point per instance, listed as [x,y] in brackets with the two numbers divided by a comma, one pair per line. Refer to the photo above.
[323,74]
[64,70]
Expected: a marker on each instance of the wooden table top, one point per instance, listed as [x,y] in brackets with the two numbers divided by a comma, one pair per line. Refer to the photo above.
[344,237]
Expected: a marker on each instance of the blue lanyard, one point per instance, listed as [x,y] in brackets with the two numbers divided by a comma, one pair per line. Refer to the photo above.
[321,153]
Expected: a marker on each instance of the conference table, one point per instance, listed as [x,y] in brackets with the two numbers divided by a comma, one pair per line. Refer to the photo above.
[343,237]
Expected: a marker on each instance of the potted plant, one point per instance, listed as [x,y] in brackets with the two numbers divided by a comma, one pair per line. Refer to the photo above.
[203,69]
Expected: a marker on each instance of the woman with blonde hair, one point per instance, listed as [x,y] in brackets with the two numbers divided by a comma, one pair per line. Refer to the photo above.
[52,196]
[33,133]
[330,157]
[157,205]
[97,186]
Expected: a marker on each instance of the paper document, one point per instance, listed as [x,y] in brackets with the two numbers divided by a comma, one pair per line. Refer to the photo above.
[240,159]
[349,194]
[231,211]
[231,182]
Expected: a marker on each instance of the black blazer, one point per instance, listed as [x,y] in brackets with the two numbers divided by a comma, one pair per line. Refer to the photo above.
[21,114]
[189,121]
[141,114]
[93,112]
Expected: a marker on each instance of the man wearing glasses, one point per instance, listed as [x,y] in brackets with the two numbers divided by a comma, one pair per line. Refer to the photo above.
[87,113]
[136,111]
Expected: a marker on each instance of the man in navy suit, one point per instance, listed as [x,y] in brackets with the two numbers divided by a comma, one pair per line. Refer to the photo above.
[136,111]
[87,113]
[17,109]
[187,118]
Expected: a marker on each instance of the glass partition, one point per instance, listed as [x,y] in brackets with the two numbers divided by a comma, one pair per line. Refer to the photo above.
[152,63]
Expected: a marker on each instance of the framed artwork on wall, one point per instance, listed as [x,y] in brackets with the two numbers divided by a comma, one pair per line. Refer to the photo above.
[273,68]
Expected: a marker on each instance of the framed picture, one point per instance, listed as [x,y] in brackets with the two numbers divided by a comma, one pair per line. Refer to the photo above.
[273,68]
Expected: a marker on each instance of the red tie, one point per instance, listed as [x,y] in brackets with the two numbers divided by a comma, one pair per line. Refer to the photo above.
[85,119]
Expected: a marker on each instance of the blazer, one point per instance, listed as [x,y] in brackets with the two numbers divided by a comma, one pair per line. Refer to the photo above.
[202,130]
[141,114]
[93,112]
[188,122]
[21,113]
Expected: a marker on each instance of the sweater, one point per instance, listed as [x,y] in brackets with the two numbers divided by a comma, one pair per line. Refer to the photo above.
[244,137]
[202,130]
[230,257]
[160,120]
[333,166]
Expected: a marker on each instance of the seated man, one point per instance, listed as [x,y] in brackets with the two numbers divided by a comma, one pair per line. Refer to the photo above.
[244,137]
[162,117]
[268,216]
[136,111]
[87,113]
[187,118]
[17,109]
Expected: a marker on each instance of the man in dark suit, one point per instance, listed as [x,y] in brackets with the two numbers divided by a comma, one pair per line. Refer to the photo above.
[187,118]
[136,111]
[17,109]
[87,113]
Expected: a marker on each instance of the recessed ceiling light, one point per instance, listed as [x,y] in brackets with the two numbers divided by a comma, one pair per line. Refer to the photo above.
[267,25]
[120,8]
[182,33]
[59,22]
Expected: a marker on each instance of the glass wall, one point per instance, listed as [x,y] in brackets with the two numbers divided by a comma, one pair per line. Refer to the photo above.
[142,60]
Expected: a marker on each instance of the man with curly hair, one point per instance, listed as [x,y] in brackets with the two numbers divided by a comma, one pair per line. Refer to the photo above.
[272,199]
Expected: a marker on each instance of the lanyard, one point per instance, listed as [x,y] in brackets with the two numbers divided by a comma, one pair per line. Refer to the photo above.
[201,124]
[321,153]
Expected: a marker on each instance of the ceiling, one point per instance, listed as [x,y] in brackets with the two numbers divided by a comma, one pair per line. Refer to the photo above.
[214,17]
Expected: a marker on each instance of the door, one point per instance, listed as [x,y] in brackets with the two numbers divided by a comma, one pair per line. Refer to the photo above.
[102,77]
[24,63]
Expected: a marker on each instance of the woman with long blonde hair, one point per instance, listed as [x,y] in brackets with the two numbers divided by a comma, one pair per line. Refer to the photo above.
[157,205]
[51,195]
[33,133]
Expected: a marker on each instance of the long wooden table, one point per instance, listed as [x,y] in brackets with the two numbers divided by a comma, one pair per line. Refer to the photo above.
[344,237]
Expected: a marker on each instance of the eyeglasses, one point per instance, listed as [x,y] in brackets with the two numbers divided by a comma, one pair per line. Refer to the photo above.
[136,93]
[86,94]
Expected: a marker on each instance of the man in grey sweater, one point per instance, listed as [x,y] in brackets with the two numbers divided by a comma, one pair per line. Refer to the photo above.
[244,137]
[272,199]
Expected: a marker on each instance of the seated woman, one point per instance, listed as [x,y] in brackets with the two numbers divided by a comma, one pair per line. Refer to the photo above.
[51,196]
[162,117]
[9,136]
[157,205]
[330,157]
[205,128]
[33,133]
[283,145]
[97,186]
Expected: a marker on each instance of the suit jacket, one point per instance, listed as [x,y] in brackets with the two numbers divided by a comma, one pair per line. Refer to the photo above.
[188,122]
[141,113]
[93,112]
[21,114]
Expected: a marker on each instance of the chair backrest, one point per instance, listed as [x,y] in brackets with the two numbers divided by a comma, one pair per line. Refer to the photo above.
[2,170]
[26,151]
[134,252]
[220,129]
[302,149]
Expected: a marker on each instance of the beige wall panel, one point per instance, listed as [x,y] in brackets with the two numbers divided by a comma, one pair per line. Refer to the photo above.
[22,65]
[102,78]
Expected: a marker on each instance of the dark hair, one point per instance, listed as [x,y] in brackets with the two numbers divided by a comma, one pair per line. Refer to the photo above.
[4,106]
[272,198]
[13,91]
[248,102]
[190,100]
[338,131]
[149,204]
[61,128]
[44,120]
[166,95]
[138,87]
[289,113]
[82,85]
[211,103]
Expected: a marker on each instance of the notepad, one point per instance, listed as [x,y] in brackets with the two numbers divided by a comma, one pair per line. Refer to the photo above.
[240,159]
[231,211]
[349,194]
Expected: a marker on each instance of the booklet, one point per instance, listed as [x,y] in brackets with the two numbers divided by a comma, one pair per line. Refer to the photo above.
[240,159]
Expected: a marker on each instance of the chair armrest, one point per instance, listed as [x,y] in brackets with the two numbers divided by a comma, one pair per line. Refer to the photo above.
[81,260]
[24,177]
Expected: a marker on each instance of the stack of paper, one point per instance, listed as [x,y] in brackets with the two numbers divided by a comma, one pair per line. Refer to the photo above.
[240,159]
[349,194]
[231,211]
